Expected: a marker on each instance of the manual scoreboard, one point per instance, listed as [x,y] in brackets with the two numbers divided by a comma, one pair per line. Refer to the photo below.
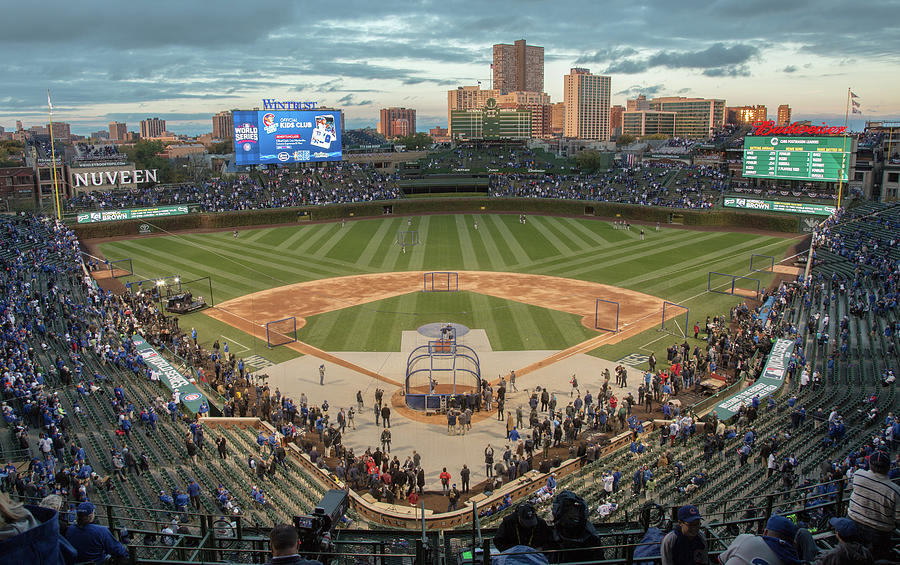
[823,159]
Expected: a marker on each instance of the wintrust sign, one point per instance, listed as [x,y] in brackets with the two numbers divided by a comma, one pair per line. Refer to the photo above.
[114,177]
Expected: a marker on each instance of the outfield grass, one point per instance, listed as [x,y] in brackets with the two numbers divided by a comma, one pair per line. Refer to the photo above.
[671,263]
[410,311]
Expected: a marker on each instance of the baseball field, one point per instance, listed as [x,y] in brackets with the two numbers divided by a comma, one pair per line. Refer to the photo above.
[533,286]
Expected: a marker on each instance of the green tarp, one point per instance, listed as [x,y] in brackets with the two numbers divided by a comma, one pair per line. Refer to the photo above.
[191,396]
[768,382]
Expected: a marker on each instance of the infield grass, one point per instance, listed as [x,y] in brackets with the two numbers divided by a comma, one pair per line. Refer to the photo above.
[670,263]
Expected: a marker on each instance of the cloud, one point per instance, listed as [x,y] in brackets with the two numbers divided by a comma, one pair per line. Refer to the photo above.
[604,55]
[349,100]
[789,69]
[648,91]
[717,60]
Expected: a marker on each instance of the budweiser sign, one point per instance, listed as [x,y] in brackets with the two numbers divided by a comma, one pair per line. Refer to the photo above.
[796,128]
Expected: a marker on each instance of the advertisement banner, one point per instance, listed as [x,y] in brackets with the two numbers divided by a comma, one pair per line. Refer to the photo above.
[191,396]
[768,382]
[778,206]
[272,137]
[134,213]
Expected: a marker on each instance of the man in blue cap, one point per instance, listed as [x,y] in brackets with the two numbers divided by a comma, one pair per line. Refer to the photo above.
[685,545]
[94,543]
[848,551]
[775,546]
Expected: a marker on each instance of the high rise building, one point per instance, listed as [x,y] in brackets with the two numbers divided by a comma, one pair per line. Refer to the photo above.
[784,115]
[223,125]
[467,98]
[695,117]
[638,104]
[557,118]
[117,131]
[152,127]
[19,125]
[61,131]
[518,67]
[616,115]
[648,122]
[587,105]
[397,122]
[538,103]
[746,115]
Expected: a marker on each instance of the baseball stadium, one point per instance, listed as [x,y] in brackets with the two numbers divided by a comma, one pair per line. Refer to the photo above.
[406,375]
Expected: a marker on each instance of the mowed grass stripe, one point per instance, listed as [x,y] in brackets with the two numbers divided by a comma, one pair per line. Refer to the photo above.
[267,259]
[329,267]
[421,225]
[273,238]
[469,258]
[354,239]
[299,233]
[485,243]
[382,245]
[563,245]
[564,226]
[311,244]
[375,241]
[531,237]
[517,253]
[674,262]
[442,246]
[620,253]
[338,235]
[231,283]
[493,238]
[581,226]
[486,260]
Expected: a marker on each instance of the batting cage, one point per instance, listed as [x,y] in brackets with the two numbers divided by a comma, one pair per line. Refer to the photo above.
[439,372]
[725,283]
[672,321]
[407,238]
[606,315]
[440,281]
[765,263]
[281,332]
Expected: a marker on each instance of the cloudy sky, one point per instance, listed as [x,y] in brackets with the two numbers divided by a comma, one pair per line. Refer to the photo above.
[185,60]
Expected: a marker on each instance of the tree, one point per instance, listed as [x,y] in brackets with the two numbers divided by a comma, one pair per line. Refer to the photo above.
[222,147]
[416,141]
[11,153]
[591,161]
[625,139]
[145,155]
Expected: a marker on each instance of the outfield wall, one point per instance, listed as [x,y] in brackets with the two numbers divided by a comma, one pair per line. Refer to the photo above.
[716,217]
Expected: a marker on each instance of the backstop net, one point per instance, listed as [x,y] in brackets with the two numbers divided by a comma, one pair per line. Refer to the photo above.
[281,332]
[725,283]
[765,263]
[606,315]
[675,318]
[440,281]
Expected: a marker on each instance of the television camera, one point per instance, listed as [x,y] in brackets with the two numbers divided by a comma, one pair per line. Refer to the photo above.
[315,530]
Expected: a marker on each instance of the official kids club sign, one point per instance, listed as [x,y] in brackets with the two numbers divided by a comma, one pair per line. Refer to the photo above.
[191,396]
[272,137]
[768,382]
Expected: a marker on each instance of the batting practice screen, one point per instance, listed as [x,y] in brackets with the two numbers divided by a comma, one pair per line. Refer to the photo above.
[440,281]
[281,332]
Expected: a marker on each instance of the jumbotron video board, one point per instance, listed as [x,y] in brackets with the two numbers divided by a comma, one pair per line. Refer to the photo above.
[272,137]
[797,158]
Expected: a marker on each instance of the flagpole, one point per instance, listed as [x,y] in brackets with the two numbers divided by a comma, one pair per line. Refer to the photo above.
[52,159]
[843,151]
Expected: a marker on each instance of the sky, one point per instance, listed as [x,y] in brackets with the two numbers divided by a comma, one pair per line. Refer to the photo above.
[186,60]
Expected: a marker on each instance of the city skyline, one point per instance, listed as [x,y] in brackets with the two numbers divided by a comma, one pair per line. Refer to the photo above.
[184,63]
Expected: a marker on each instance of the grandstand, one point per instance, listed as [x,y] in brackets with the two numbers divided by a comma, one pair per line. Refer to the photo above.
[84,381]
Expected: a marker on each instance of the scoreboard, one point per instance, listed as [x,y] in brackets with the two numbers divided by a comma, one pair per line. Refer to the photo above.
[821,159]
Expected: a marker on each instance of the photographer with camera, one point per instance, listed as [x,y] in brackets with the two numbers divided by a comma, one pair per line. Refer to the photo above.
[285,544]
[573,534]
[523,527]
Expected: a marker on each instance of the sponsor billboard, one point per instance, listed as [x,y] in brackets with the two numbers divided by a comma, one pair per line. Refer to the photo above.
[778,206]
[191,396]
[135,213]
[271,137]
[768,382]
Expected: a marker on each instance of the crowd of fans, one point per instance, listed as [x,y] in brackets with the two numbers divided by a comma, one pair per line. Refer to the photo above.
[93,152]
